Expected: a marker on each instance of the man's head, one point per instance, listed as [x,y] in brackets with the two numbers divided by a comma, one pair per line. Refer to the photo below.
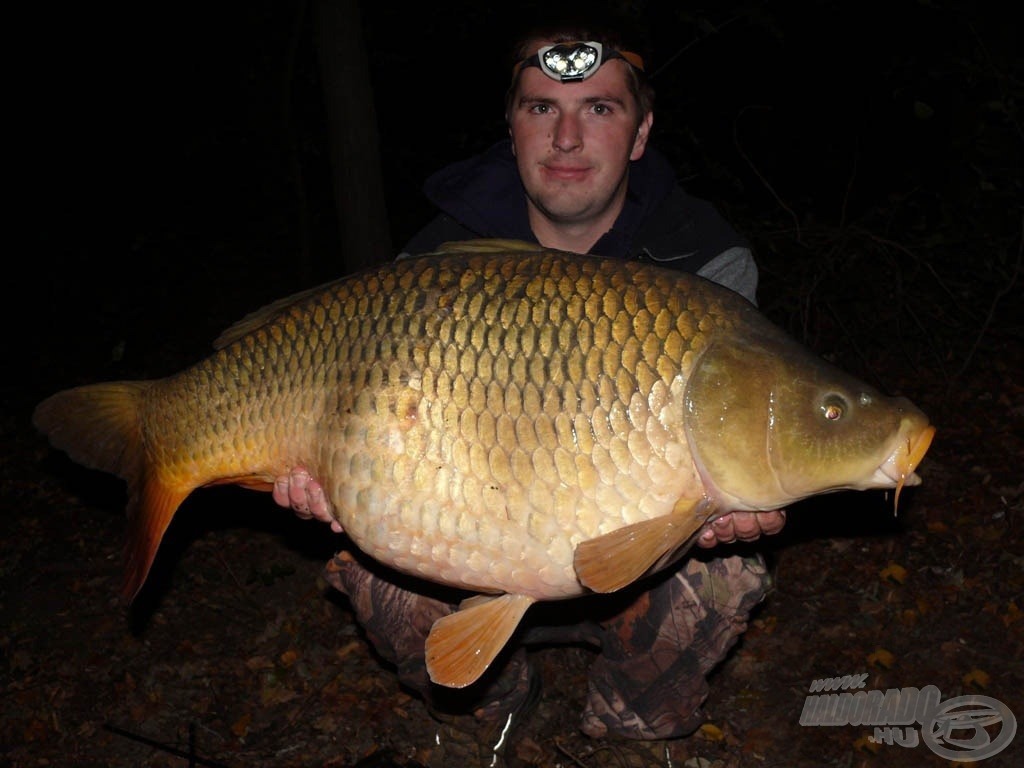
[613,42]
[574,137]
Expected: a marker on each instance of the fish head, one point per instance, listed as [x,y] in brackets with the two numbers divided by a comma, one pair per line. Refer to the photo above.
[770,423]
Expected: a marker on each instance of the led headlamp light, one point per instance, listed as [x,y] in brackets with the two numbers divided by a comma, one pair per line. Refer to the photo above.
[572,62]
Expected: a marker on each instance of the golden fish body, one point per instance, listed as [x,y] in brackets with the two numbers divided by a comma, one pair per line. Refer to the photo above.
[528,424]
[501,411]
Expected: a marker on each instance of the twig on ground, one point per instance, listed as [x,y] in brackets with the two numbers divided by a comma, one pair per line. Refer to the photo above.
[191,756]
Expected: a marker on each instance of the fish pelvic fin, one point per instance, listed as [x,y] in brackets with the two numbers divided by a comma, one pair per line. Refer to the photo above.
[612,561]
[462,645]
[149,514]
[99,426]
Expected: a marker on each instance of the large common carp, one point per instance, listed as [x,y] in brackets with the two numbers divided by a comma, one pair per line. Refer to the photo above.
[526,424]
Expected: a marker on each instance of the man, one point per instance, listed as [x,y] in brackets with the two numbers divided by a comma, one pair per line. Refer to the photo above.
[577,174]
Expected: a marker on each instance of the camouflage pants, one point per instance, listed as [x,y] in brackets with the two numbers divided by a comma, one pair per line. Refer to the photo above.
[648,681]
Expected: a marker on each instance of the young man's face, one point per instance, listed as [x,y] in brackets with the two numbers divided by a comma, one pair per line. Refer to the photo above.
[573,143]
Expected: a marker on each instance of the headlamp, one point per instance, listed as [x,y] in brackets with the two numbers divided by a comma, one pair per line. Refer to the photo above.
[572,62]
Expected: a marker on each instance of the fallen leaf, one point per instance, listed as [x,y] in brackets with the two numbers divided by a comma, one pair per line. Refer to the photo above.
[289,657]
[766,625]
[881,658]
[241,726]
[865,744]
[978,678]
[894,572]
[712,732]
[273,694]
[348,649]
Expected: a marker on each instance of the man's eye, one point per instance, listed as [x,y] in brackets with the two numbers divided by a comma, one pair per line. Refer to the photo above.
[602,109]
[540,109]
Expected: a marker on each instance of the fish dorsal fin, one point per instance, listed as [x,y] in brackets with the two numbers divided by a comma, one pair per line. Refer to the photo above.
[614,560]
[264,314]
[487,245]
[462,645]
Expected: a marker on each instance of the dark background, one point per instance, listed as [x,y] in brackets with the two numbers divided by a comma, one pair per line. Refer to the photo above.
[172,174]
[862,147]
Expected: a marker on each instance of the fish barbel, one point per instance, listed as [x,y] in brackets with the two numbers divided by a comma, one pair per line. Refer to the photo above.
[526,424]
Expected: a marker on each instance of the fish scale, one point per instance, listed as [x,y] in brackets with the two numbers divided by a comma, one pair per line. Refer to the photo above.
[497,447]
[522,423]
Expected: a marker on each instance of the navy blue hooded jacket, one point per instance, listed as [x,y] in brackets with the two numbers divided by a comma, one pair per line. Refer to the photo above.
[483,196]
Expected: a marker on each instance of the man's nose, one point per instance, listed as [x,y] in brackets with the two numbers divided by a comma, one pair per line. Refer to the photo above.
[568,134]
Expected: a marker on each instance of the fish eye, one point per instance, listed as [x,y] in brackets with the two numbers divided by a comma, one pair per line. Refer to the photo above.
[833,408]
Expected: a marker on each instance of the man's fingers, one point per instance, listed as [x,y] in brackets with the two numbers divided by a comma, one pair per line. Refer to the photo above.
[707,539]
[741,526]
[772,522]
[280,492]
[305,496]
[298,481]
[746,526]
[718,531]
[320,506]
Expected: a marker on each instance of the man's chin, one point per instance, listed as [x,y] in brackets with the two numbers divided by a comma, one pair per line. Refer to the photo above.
[568,211]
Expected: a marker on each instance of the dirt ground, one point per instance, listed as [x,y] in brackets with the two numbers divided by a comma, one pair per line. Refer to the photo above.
[238,654]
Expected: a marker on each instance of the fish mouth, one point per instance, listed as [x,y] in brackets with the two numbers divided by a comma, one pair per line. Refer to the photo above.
[899,467]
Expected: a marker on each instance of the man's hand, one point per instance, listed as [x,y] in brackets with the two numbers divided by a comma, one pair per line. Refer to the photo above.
[741,526]
[305,496]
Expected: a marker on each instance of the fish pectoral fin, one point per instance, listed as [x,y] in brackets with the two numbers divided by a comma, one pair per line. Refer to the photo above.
[462,645]
[614,560]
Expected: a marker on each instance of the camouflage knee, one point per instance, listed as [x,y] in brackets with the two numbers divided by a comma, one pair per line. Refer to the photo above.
[648,682]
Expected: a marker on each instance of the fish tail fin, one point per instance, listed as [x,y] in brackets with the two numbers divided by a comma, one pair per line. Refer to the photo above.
[99,426]
[462,645]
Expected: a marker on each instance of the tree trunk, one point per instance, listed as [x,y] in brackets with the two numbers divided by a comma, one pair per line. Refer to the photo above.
[352,125]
